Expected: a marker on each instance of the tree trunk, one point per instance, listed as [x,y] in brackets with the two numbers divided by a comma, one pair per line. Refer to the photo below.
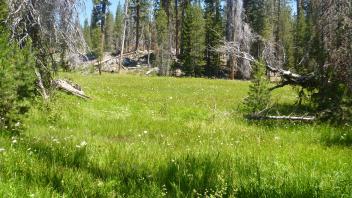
[137,23]
[291,118]
[184,5]
[230,35]
[177,27]
[124,35]
[300,4]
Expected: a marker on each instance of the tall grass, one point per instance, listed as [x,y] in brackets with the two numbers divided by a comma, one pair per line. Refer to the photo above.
[166,137]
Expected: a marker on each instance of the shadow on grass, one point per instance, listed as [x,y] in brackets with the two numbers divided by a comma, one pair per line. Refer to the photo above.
[331,134]
[337,136]
[215,174]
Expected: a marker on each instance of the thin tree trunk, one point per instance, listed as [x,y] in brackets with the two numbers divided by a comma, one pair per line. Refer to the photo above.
[230,36]
[177,27]
[124,35]
[137,24]
[162,61]
[149,44]
[184,5]
[102,50]
[41,85]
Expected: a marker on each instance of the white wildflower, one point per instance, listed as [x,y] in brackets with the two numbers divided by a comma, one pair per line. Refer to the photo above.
[100,183]
[82,144]
[14,141]
[145,132]
[2,150]
[277,138]
[17,124]
[56,141]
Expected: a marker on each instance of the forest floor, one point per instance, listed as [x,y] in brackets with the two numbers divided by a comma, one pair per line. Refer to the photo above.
[154,137]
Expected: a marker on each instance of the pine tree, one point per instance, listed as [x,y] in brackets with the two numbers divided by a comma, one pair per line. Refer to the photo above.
[286,34]
[193,41]
[109,33]
[139,10]
[163,56]
[97,47]
[87,33]
[259,95]
[118,27]
[213,36]
[17,79]
[229,35]
[3,14]
[98,29]
[259,22]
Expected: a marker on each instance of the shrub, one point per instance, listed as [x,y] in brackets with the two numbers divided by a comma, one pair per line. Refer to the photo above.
[17,84]
[259,95]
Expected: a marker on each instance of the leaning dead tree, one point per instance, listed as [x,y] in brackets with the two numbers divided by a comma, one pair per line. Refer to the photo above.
[48,26]
[274,58]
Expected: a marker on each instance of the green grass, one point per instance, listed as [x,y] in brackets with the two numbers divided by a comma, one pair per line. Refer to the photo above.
[155,137]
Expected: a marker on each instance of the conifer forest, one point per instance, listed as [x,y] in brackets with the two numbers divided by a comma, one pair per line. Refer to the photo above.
[175,98]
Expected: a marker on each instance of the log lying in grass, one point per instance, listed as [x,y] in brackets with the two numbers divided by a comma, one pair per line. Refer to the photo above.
[112,58]
[70,88]
[291,118]
[152,70]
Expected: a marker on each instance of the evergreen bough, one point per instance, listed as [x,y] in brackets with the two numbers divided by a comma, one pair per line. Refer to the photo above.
[259,96]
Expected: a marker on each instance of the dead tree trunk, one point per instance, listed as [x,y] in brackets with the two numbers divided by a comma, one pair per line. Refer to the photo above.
[290,118]
[70,87]
[289,78]
[230,36]
[124,35]
[138,7]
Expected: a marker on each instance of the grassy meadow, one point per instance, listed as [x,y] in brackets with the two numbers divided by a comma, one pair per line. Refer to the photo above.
[169,137]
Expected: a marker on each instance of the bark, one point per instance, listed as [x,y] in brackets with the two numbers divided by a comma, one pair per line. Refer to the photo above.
[230,35]
[290,78]
[137,23]
[70,88]
[177,27]
[124,35]
[41,85]
[184,6]
[291,118]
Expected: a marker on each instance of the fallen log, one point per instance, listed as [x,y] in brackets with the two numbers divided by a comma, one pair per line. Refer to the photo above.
[291,118]
[152,70]
[111,59]
[70,87]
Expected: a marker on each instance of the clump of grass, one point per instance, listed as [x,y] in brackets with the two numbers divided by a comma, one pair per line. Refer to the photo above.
[337,136]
